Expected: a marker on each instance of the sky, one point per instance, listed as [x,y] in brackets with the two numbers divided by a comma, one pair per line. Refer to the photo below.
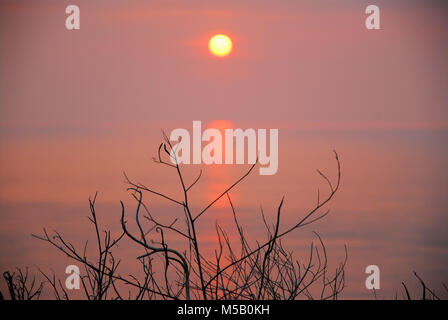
[80,107]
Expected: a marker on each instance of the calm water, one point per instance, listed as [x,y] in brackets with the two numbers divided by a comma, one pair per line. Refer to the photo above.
[390,211]
[79,108]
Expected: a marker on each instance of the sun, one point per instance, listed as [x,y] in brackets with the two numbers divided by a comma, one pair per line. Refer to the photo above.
[220,45]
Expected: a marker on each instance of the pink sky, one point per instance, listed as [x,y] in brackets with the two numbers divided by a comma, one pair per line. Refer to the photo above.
[77,108]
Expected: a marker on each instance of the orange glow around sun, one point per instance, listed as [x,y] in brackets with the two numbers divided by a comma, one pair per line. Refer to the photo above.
[220,45]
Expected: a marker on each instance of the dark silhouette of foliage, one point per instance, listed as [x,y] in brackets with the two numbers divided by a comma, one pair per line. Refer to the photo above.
[250,270]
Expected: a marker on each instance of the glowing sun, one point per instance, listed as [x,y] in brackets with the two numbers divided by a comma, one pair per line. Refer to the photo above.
[220,45]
